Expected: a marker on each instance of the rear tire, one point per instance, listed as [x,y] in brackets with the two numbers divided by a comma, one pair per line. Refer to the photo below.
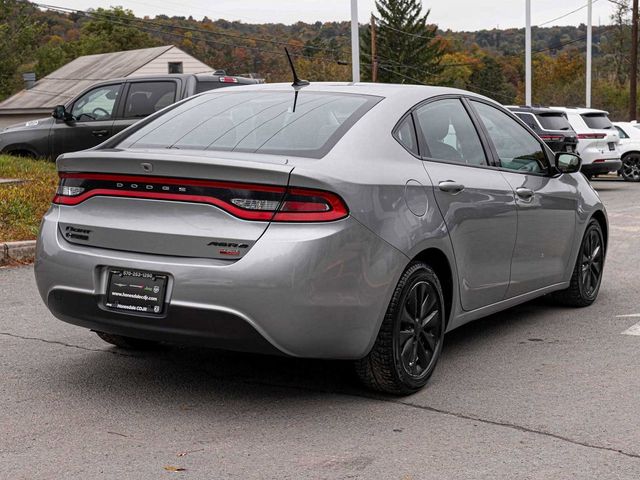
[128,343]
[630,169]
[587,273]
[410,339]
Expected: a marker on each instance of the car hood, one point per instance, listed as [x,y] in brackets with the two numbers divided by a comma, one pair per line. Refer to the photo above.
[39,124]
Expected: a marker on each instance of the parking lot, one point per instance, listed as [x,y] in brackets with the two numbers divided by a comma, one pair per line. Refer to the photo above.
[535,392]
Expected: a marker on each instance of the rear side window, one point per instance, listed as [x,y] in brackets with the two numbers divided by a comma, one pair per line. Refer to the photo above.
[145,98]
[553,121]
[621,132]
[449,134]
[597,120]
[256,122]
[406,135]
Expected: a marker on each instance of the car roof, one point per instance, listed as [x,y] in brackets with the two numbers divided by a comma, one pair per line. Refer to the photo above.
[581,110]
[533,110]
[403,92]
[200,76]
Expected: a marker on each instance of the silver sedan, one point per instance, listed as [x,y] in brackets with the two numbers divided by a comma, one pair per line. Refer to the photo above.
[337,221]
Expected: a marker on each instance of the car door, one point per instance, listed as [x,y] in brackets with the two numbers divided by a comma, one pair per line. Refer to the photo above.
[142,98]
[547,203]
[91,123]
[477,203]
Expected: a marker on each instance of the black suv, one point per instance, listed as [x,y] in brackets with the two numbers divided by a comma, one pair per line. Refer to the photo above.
[551,126]
[104,109]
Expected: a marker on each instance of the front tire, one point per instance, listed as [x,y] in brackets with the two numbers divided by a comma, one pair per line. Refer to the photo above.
[630,169]
[587,273]
[410,339]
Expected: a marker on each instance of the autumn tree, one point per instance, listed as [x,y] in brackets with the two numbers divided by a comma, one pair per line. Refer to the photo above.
[408,48]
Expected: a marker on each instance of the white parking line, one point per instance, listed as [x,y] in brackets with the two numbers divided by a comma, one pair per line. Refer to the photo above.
[634,329]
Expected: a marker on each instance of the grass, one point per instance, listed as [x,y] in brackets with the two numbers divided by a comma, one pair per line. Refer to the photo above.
[23,205]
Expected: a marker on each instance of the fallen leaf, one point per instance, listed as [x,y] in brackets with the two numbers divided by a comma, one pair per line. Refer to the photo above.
[171,468]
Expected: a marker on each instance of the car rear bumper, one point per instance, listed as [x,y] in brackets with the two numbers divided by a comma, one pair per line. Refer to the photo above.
[601,168]
[312,290]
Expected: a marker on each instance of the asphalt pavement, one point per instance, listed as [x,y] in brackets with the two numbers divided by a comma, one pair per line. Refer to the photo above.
[536,392]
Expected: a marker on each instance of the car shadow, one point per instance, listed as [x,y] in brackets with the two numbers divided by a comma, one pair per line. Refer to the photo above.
[192,375]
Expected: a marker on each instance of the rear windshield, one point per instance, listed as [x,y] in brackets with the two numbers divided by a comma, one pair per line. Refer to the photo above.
[597,120]
[553,121]
[255,122]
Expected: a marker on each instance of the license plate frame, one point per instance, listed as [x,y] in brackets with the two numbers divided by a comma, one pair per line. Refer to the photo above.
[136,291]
[612,146]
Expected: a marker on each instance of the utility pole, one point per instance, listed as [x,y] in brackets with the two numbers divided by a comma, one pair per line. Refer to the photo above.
[355,42]
[633,79]
[374,51]
[589,51]
[527,54]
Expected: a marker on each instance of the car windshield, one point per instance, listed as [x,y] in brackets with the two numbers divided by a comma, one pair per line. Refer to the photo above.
[553,121]
[256,122]
[597,120]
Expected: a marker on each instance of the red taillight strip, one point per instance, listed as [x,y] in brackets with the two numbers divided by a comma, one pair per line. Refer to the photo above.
[338,209]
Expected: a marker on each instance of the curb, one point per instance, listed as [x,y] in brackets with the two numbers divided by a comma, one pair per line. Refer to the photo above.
[17,251]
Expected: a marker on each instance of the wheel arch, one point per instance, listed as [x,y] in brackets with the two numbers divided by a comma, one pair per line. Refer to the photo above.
[637,152]
[600,217]
[439,262]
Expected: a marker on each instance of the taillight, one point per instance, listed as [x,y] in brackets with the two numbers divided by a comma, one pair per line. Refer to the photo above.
[228,80]
[591,136]
[243,200]
[552,138]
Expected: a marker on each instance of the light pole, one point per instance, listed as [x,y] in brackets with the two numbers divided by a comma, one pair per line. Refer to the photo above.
[355,42]
[527,54]
[589,51]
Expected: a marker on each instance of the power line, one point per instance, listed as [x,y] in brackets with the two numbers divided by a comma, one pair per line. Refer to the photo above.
[566,14]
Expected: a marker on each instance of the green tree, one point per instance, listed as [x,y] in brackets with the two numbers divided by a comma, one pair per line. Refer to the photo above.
[408,48]
[19,34]
[488,79]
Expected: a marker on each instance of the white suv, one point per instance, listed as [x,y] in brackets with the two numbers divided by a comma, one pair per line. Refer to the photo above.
[630,150]
[598,140]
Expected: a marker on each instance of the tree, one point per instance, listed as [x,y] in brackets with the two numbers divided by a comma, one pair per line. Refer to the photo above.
[488,79]
[19,34]
[408,48]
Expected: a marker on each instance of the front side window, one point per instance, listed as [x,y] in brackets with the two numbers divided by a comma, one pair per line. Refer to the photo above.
[96,104]
[145,98]
[449,133]
[517,149]
[256,122]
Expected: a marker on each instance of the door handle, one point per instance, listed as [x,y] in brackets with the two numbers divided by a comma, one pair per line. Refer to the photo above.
[450,186]
[524,193]
[100,133]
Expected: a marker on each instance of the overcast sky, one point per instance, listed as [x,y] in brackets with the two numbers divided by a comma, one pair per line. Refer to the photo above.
[452,14]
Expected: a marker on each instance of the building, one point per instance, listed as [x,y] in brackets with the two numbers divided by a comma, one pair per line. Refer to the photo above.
[60,86]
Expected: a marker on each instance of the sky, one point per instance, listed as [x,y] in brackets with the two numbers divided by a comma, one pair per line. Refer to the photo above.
[448,14]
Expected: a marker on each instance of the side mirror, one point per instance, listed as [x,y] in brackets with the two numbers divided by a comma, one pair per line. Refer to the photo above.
[568,162]
[60,113]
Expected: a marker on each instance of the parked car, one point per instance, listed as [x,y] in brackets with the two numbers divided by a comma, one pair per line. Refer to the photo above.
[597,140]
[551,126]
[328,221]
[630,150]
[105,109]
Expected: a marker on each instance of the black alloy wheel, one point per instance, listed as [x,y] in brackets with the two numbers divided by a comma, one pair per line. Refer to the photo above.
[630,170]
[410,338]
[592,261]
[419,334]
[587,273]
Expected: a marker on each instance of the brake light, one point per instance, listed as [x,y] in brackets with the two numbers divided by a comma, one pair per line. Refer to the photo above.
[228,80]
[244,200]
[591,136]
[552,138]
